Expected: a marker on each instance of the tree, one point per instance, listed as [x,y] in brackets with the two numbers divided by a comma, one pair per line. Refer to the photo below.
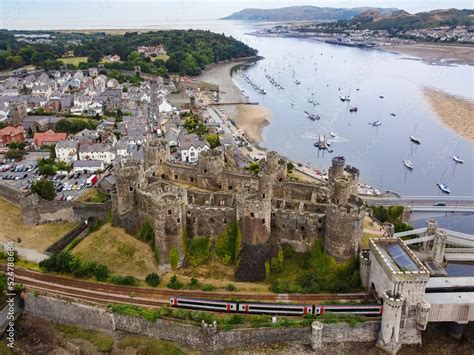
[152,279]
[14,62]
[14,154]
[290,166]
[174,258]
[44,189]
[213,140]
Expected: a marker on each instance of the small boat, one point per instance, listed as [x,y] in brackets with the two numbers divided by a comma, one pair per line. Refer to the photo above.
[332,134]
[312,116]
[353,109]
[292,103]
[376,123]
[381,96]
[393,114]
[415,140]
[444,188]
[297,82]
[344,98]
[458,159]
[408,164]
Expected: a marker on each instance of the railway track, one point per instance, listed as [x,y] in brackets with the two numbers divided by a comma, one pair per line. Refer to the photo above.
[106,293]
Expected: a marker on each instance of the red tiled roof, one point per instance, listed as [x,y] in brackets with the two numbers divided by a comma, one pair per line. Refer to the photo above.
[9,130]
[48,136]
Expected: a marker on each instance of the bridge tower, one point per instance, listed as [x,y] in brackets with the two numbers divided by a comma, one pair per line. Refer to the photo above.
[390,328]
[439,246]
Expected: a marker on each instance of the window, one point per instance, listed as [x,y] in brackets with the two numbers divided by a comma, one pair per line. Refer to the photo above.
[263,221]
[205,171]
[178,220]
[225,220]
[263,196]
[302,228]
[130,188]
[252,214]
[230,187]
[191,179]
[169,211]
[176,177]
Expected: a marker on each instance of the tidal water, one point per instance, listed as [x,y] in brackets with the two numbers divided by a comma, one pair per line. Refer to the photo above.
[325,71]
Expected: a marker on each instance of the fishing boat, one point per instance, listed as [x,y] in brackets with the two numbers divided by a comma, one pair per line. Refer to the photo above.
[376,123]
[444,188]
[458,160]
[408,164]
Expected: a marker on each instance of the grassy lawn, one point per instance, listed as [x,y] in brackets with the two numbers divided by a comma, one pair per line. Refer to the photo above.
[163,57]
[103,342]
[32,237]
[151,346]
[94,196]
[122,253]
[73,60]
[215,274]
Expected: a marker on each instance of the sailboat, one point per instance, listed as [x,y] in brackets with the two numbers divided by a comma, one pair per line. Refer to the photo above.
[376,123]
[458,160]
[292,103]
[408,164]
[332,134]
[414,138]
[444,188]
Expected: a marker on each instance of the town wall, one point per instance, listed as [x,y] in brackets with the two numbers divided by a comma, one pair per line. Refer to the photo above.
[38,211]
[203,338]
[11,195]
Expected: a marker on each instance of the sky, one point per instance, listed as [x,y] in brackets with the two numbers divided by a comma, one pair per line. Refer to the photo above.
[38,14]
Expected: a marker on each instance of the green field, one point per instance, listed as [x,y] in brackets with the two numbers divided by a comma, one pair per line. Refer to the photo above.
[163,57]
[73,60]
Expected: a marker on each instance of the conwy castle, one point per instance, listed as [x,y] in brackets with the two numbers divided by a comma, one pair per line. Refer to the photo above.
[269,209]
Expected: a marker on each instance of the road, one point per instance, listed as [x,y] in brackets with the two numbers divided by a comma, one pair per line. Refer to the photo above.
[426,203]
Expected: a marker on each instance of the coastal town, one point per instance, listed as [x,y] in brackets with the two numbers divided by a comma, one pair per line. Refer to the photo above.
[288,182]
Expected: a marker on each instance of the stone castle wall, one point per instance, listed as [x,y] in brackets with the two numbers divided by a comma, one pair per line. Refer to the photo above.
[11,195]
[200,338]
[39,211]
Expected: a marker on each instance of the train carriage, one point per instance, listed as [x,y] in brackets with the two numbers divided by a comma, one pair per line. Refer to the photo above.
[203,304]
[275,308]
[364,310]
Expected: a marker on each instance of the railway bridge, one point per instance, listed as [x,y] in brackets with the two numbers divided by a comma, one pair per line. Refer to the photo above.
[411,296]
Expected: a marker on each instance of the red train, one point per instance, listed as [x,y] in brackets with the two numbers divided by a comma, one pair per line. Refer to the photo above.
[273,308]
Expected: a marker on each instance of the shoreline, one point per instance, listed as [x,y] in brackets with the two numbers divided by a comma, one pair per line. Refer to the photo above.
[454,112]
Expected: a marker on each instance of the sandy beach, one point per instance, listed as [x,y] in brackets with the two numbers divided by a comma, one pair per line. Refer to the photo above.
[219,74]
[455,112]
[438,53]
[252,119]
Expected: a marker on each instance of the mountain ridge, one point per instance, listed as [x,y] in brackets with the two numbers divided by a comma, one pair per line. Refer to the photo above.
[303,13]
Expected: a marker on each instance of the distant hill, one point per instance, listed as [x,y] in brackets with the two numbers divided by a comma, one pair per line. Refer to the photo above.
[402,20]
[303,13]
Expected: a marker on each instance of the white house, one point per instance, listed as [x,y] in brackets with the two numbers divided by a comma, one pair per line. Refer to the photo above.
[191,146]
[97,151]
[88,165]
[66,151]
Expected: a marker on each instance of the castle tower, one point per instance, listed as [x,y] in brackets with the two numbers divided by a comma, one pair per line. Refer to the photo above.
[126,177]
[17,113]
[344,228]
[342,191]
[276,167]
[155,153]
[364,268]
[422,312]
[389,229]
[439,246]
[353,174]
[336,170]
[390,328]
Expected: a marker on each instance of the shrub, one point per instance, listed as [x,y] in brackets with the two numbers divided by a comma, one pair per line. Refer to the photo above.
[194,284]
[231,287]
[174,283]
[174,258]
[213,140]
[208,288]
[152,279]
[228,244]
[124,280]
[146,232]
[198,251]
